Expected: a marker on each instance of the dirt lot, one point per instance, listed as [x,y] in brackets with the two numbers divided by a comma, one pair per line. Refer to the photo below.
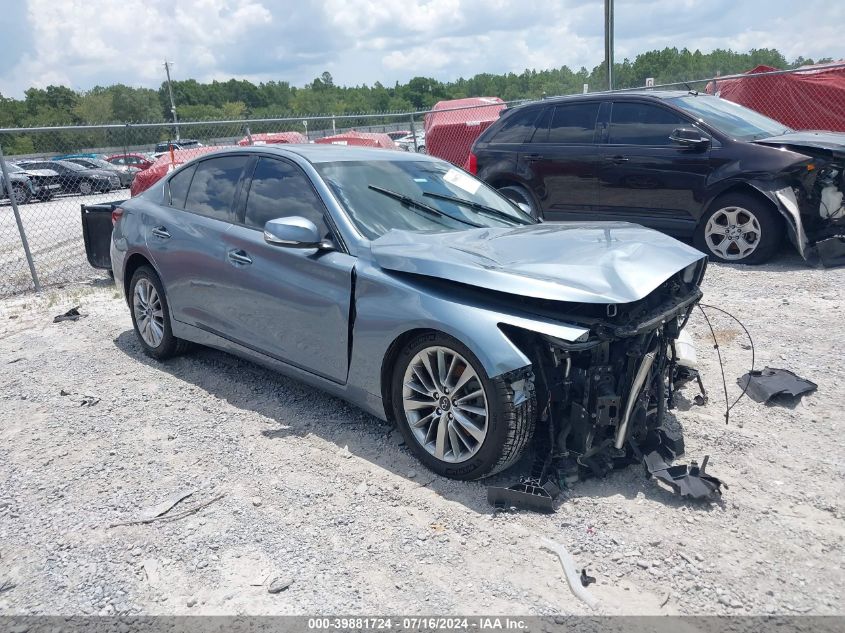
[323,496]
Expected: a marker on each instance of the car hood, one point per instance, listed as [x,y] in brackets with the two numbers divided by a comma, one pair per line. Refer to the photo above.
[810,139]
[589,262]
[43,173]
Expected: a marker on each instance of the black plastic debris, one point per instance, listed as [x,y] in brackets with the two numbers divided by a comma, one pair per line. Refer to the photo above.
[586,580]
[763,385]
[528,494]
[71,315]
[687,480]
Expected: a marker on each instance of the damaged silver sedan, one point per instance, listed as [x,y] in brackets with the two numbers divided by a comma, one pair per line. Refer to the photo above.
[420,294]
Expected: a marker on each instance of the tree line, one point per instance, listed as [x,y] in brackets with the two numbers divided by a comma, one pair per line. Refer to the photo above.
[241,99]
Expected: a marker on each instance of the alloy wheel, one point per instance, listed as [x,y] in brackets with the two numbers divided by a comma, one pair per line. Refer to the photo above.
[732,233]
[445,404]
[149,315]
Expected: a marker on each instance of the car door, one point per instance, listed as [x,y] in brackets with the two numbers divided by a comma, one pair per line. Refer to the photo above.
[291,304]
[184,235]
[647,178]
[561,161]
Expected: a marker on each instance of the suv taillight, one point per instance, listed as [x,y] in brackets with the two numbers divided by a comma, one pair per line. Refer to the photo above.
[116,214]
[472,163]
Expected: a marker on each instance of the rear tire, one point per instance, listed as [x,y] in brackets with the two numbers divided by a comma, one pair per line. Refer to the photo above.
[739,229]
[473,422]
[151,316]
[520,195]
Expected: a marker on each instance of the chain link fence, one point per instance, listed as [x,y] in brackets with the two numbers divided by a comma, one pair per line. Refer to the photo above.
[108,163]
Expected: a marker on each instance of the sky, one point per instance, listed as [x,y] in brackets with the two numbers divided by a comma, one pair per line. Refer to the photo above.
[84,43]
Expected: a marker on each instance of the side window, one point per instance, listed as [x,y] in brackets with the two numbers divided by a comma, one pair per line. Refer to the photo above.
[179,186]
[642,124]
[213,187]
[280,189]
[517,127]
[573,123]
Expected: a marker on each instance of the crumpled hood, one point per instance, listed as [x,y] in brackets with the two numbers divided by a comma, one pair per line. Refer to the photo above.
[44,173]
[811,139]
[586,262]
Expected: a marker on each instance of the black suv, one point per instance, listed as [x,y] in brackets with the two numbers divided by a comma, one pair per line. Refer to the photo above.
[695,166]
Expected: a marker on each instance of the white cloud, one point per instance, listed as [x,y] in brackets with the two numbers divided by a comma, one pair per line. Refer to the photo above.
[83,43]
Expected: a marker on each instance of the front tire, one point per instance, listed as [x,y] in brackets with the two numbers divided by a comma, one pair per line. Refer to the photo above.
[86,187]
[739,229]
[151,316]
[21,193]
[459,422]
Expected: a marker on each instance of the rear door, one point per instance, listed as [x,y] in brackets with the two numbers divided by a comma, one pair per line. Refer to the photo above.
[561,161]
[644,176]
[291,304]
[185,237]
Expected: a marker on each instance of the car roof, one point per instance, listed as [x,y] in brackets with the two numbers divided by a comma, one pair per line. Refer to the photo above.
[317,153]
[617,94]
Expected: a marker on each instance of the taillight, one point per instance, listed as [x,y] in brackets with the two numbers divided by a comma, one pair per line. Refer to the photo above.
[116,214]
[472,163]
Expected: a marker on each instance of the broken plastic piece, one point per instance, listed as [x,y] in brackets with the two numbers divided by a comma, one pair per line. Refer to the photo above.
[586,580]
[528,494]
[570,572]
[71,315]
[687,480]
[762,386]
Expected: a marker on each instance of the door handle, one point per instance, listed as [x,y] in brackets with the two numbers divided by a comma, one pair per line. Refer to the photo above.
[617,159]
[239,257]
[161,232]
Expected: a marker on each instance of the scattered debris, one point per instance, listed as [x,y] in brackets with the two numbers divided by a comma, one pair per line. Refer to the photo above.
[279,584]
[344,452]
[666,599]
[151,570]
[256,501]
[192,601]
[88,401]
[687,480]
[7,585]
[586,580]
[570,572]
[763,385]
[166,505]
[62,392]
[71,315]
[170,517]
[528,494]
[15,360]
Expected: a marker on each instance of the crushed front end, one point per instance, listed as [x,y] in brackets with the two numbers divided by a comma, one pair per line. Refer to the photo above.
[603,402]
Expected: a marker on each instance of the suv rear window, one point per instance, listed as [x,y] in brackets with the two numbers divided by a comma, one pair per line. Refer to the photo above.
[573,123]
[516,127]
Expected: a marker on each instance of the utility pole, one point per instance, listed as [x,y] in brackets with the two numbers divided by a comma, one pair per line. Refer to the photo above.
[167,65]
[608,41]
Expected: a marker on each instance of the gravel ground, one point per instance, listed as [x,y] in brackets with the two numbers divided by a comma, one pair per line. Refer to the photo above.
[326,501]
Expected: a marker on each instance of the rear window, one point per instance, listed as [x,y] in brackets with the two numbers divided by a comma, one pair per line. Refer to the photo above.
[517,127]
[573,123]
[179,186]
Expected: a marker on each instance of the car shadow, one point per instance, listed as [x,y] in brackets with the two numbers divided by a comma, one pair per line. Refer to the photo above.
[290,407]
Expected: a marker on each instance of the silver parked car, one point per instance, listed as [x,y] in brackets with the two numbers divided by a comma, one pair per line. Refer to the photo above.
[417,292]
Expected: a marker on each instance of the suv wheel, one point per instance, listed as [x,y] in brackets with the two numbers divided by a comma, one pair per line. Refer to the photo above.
[458,421]
[520,196]
[151,316]
[739,228]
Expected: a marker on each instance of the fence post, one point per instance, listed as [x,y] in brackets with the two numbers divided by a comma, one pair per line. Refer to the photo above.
[413,132]
[8,184]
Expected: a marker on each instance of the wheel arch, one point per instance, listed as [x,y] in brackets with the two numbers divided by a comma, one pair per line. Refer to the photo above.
[133,263]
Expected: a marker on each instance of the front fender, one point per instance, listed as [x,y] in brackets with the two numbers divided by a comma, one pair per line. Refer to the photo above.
[390,305]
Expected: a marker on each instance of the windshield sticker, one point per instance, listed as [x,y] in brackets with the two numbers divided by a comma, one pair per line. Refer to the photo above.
[420,179]
[461,180]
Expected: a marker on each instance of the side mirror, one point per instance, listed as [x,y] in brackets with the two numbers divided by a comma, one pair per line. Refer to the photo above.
[294,232]
[689,137]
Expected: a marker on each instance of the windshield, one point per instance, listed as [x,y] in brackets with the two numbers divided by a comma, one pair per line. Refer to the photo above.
[13,168]
[69,165]
[98,163]
[383,195]
[736,121]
